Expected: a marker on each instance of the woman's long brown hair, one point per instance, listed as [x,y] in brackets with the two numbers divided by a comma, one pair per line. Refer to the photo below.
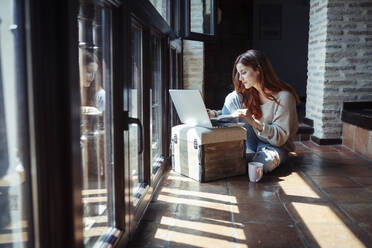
[267,79]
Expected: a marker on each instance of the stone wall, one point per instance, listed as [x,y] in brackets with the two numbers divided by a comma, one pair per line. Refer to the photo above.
[193,65]
[339,61]
[193,52]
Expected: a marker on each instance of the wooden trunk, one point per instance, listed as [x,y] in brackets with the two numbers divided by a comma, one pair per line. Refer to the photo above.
[208,154]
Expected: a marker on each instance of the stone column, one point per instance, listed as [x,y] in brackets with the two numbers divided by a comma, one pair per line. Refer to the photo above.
[339,62]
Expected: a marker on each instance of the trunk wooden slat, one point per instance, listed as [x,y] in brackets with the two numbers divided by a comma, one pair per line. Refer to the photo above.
[223,155]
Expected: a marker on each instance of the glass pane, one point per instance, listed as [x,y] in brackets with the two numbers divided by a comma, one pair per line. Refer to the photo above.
[96,119]
[163,7]
[15,189]
[174,84]
[135,111]
[200,12]
[156,106]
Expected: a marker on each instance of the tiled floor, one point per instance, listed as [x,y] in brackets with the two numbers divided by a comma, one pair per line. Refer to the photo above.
[322,197]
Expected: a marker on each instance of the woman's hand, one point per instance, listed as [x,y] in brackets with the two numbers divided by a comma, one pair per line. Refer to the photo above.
[211,113]
[249,119]
[240,112]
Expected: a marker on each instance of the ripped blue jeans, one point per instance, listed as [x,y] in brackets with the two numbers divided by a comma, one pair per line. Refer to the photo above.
[259,151]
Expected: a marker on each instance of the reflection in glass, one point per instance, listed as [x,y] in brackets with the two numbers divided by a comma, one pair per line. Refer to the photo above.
[163,7]
[200,12]
[96,116]
[156,106]
[135,111]
[15,189]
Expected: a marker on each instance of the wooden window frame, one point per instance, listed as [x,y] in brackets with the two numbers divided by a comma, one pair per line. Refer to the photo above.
[52,67]
[54,100]
[152,22]
[185,13]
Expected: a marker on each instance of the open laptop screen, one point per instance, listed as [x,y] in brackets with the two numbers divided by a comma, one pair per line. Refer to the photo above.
[190,107]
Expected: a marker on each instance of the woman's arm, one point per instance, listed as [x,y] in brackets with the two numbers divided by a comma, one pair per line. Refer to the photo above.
[284,123]
[233,102]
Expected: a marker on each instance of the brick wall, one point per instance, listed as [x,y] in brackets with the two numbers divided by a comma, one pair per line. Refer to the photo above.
[339,61]
[193,65]
[193,52]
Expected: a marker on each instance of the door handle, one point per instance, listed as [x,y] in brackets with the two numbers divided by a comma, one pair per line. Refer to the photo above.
[130,120]
[139,124]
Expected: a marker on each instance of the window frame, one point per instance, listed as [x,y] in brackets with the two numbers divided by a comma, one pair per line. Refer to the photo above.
[54,101]
[163,65]
[143,12]
[185,13]
[23,132]
[53,96]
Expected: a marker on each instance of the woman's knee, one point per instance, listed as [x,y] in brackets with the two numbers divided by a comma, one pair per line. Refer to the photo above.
[269,158]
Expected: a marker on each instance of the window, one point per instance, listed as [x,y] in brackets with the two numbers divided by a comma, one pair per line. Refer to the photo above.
[136,159]
[96,119]
[163,7]
[199,19]
[16,227]
[156,103]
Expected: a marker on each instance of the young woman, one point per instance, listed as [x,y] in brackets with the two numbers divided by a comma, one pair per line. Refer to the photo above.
[268,106]
[92,92]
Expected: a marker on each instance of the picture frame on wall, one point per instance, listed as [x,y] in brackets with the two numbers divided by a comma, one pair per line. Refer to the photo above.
[270,22]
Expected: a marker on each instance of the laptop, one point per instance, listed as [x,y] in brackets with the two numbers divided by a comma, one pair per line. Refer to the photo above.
[191,110]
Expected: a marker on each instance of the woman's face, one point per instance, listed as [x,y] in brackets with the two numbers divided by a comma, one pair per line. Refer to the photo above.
[247,75]
[89,74]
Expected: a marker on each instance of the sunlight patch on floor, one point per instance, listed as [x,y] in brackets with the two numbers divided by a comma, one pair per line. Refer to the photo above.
[93,191]
[194,240]
[212,196]
[223,221]
[221,230]
[327,229]
[198,203]
[10,238]
[295,185]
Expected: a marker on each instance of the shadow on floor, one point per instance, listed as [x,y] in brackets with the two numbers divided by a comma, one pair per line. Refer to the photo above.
[321,197]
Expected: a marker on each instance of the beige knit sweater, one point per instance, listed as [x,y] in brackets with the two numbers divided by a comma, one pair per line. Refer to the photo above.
[280,122]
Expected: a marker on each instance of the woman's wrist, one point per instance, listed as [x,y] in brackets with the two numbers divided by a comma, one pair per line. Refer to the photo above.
[258,125]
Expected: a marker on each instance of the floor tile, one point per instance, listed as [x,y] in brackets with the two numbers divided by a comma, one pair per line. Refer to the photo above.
[351,195]
[156,211]
[217,212]
[150,234]
[333,235]
[352,171]
[322,197]
[333,181]
[317,148]
[269,235]
[253,192]
[301,194]
[361,213]
[201,234]
[261,212]
[364,181]
[310,212]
